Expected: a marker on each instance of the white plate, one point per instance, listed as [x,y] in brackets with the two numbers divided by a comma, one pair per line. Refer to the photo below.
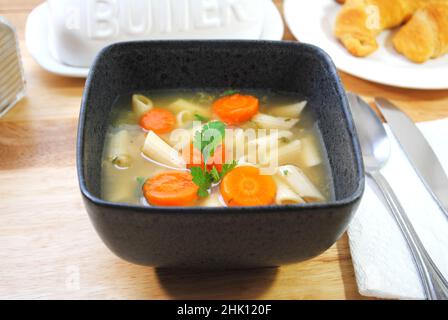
[312,22]
[37,41]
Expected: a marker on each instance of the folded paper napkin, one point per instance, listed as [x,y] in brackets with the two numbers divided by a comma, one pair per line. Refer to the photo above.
[383,263]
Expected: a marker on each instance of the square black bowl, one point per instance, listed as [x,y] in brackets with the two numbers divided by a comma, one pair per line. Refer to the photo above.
[219,237]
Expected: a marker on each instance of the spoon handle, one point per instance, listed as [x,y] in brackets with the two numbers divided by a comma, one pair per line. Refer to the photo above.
[434,284]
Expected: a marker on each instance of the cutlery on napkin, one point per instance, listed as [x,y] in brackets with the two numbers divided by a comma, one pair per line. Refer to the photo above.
[383,263]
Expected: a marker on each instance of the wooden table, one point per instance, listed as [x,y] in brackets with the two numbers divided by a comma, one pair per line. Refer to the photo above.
[48,248]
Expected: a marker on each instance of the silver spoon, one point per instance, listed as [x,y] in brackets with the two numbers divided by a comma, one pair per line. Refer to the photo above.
[375,147]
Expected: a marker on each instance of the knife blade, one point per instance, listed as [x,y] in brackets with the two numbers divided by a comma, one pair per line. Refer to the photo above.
[418,151]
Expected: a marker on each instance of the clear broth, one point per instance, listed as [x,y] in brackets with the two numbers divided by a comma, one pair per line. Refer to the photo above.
[124,184]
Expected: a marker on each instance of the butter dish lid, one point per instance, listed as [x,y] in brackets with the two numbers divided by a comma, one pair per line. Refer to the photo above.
[76,30]
[44,50]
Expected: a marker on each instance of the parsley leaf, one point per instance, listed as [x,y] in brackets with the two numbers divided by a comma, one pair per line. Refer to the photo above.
[200,118]
[226,167]
[219,126]
[210,137]
[197,140]
[229,92]
[203,193]
[140,181]
[214,174]
[207,140]
[202,180]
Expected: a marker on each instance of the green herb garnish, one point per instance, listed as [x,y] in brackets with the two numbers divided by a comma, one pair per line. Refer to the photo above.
[209,138]
[226,167]
[140,180]
[202,179]
[229,93]
[200,118]
[214,175]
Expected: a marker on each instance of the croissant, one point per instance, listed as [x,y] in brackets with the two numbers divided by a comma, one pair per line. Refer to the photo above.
[425,36]
[359,22]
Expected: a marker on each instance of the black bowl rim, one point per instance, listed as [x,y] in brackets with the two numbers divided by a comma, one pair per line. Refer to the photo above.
[354,197]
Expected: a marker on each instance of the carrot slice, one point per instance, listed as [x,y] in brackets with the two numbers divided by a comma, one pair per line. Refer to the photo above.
[171,188]
[245,186]
[236,109]
[193,158]
[158,120]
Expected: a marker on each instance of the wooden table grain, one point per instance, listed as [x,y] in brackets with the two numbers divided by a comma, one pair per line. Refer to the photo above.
[48,248]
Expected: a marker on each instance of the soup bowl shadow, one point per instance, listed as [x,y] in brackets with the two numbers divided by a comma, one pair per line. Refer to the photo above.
[237,237]
[216,284]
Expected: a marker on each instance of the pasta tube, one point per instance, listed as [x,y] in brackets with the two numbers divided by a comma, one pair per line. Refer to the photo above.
[158,150]
[270,139]
[141,105]
[270,122]
[289,111]
[118,149]
[184,105]
[285,195]
[184,117]
[287,154]
[310,154]
[212,200]
[299,183]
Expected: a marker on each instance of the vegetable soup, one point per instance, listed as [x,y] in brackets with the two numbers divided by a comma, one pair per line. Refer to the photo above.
[214,148]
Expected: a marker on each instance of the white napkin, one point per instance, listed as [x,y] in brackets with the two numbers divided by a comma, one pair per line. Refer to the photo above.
[383,263]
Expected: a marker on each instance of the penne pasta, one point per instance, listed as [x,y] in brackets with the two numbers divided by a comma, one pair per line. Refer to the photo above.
[299,183]
[179,139]
[236,141]
[242,162]
[268,140]
[285,195]
[141,105]
[118,149]
[158,150]
[289,111]
[270,122]
[184,105]
[261,149]
[184,117]
[310,155]
[212,200]
[249,125]
[287,154]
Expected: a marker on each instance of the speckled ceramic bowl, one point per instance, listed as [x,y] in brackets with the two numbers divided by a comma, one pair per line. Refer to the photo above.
[219,237]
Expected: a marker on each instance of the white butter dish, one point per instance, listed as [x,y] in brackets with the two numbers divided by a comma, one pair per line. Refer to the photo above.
[64,38]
